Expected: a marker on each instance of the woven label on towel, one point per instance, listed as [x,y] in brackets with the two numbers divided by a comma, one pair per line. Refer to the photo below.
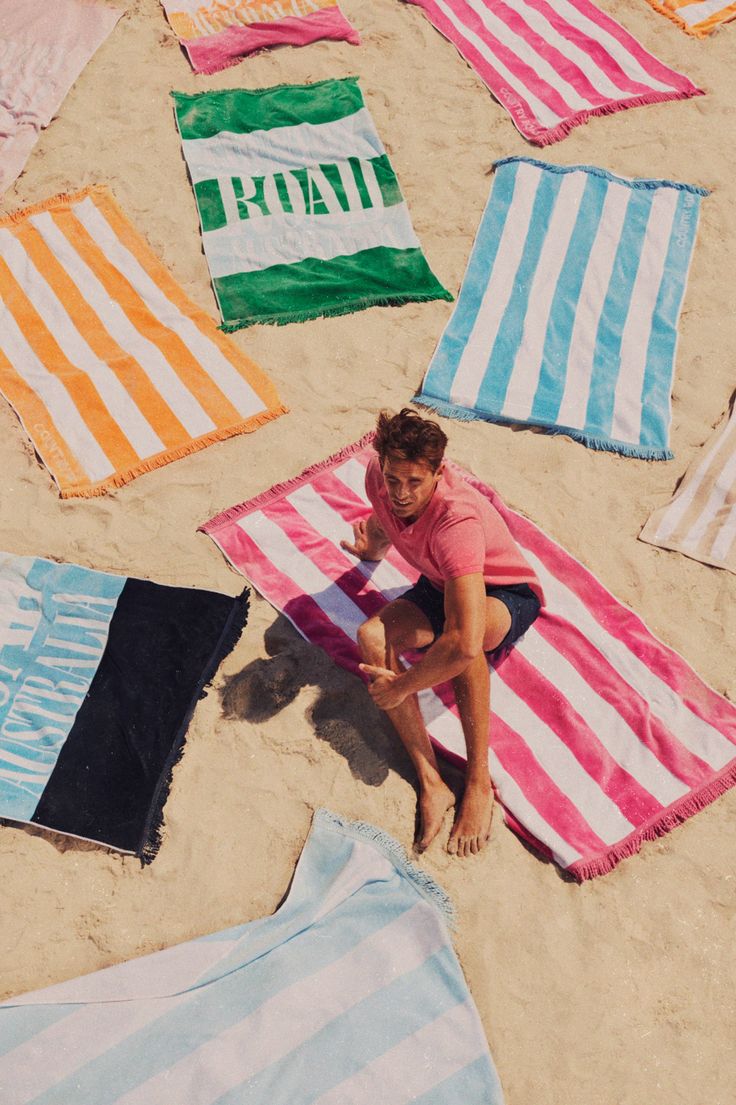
[697,17]
[350,994]
[700,520]
[301,212]
[99,675]
[568,313]
[216,34]
[601,737]
[112,370]
[554,63]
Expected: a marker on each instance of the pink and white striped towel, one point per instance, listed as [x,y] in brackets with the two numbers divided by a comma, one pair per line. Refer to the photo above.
[601,736]
[554,63]
[43,49]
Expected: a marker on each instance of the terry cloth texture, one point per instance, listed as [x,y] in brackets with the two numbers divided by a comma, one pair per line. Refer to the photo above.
[567,317]
[99,676]
[700,519]
[301,213]
[216,35]
[601,736]
[350,992]
[108,365]
[554,63]
[42,52]
[696,17]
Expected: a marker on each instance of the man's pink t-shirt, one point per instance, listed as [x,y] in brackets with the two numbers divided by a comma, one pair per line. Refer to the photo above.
[459,533]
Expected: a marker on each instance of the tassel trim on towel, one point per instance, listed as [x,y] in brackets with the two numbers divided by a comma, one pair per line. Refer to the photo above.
[150,464]
[152,835]
[556,133]
[233,513]
[675,815]
[603,444]
[698,30]
[630,182]
[363,830]
[283,318]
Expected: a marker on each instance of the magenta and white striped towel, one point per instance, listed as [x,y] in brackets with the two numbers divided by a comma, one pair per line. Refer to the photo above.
[43,49]
[601,736]
[554,63]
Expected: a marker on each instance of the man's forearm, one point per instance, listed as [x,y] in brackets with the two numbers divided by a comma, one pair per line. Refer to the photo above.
[445,659]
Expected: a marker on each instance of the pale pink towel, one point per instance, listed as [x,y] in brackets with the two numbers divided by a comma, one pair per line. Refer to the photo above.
[44,46]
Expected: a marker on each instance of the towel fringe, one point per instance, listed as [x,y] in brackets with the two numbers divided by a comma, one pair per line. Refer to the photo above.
[396,300]
[555,134]
[695,31]
[53,201]
[677,813]
[631,182]
[285,487]
[363,830]
[150,464]
[152,835]
[602,444]
[259,91]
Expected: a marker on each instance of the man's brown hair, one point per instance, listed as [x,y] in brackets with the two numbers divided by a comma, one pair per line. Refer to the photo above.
[408,436]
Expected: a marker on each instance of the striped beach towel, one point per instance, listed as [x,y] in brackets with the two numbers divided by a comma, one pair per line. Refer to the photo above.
[697,17]
[216,35]
[112,370]
[350,994]
[554,63]
[99,675]
[40,59]
[700,520]
[567,317]
[301,213]
[601,736]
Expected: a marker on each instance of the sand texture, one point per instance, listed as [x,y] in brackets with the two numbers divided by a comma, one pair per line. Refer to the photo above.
[616,992]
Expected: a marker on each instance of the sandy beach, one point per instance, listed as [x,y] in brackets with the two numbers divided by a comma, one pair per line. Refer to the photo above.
[620,991]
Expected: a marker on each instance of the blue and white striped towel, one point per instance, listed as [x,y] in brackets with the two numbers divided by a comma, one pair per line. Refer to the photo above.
[567,317]
[350,994]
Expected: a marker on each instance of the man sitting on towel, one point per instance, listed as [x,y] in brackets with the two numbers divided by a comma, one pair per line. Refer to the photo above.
[475,597]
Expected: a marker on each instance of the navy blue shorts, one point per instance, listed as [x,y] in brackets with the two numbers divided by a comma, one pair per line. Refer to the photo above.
[519,599]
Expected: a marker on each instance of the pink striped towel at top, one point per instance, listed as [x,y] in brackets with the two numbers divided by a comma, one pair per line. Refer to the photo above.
[554,63]
[601,736]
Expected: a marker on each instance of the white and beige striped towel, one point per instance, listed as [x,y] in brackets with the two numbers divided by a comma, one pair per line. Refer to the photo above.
[700,519]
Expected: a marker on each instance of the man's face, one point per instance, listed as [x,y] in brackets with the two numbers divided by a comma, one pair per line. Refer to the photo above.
[410,485]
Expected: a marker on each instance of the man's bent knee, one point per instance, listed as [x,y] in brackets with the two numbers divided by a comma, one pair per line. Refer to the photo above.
[372,639]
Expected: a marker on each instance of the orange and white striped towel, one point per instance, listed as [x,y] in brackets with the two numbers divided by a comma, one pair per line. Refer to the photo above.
[112,370]
[700,520]
[697,17]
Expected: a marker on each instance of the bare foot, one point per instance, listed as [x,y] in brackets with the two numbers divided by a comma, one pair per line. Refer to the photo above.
[473,825]
[434,802]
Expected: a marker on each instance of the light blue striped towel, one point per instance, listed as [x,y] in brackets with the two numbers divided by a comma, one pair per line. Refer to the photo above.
[567,317]
[350,994]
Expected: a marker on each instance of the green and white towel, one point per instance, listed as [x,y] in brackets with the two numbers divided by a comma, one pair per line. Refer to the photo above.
[301,212]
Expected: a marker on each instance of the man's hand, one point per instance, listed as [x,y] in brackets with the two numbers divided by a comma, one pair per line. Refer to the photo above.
[385,689]
[369,540]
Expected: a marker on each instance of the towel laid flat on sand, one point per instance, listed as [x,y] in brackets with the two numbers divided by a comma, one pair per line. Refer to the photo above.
[112,370]
[216,35]
[568,312]
[697,17]
[350,993]
[43,49]
[700,519]
[99,676]
[554,63]
[601,736]
[301,213]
